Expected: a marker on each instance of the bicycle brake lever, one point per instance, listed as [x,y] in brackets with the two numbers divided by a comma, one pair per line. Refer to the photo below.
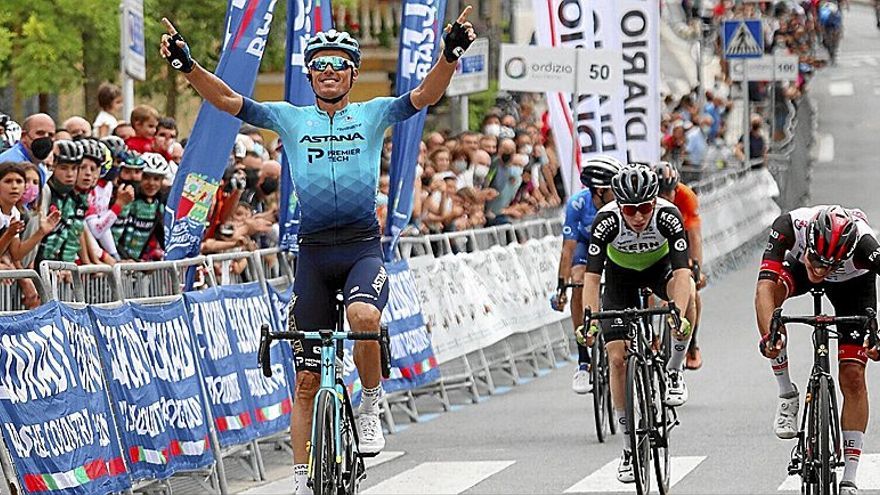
[263,355]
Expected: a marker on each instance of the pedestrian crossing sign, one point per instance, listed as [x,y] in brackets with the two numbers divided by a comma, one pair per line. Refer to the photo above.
[743,39]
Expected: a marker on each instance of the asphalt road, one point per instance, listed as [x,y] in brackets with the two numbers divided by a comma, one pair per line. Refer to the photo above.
[539,437]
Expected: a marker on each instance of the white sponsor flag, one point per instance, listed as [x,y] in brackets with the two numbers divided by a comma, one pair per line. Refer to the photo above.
[569,23]
[612,140]
[639,29]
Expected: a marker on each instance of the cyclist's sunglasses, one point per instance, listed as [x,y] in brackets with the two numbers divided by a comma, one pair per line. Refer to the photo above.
[643,208]
[336,62]
[820,262]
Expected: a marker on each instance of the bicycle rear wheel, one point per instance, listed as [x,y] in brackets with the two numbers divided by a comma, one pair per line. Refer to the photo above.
[639,422]
[324,469]
[601,388]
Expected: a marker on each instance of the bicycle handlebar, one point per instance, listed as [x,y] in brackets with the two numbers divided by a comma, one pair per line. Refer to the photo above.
[266,338]
[868,321]
[630,314]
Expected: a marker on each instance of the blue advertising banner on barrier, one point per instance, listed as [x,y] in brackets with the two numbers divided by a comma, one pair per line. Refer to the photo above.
[280,303]
[222,372]
[168,338]
[412,357]
[55,416]
[138,401]
[246,311]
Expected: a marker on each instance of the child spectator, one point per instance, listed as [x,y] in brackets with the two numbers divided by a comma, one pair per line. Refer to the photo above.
[13,178]
[110,101]
[166,136]
[144,120]
[140,236]
[64,241]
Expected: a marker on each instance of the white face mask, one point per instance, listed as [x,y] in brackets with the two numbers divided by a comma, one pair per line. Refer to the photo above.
[492,130]
[480,172]
[526,149]
[459,166]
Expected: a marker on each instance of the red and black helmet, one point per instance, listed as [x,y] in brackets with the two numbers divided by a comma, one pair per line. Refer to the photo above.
[832,236]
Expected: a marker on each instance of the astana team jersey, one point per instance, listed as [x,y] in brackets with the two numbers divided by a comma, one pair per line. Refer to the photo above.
[334,162]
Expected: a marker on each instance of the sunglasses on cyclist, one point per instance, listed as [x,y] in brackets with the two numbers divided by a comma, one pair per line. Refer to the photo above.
[335,62]
[643,208]
[820,262]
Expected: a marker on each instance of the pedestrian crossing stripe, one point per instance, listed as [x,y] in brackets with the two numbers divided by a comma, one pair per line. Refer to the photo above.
[439,478]
[743,39]
[605,479]
[285,486]
[867,478]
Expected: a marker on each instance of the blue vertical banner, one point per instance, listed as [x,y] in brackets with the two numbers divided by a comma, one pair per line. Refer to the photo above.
[55,416]
[304,19]
[222,369]
[246,310]
[207,153]
[420,31]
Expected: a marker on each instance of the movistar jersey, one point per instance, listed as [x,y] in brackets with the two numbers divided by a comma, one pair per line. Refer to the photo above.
[334,162]
[615,241]
[579,215]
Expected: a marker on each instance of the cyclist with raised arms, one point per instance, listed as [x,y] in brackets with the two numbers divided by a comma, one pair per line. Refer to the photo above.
[833,248]
[580,210]
[639,241]
[685,199]
[335,169]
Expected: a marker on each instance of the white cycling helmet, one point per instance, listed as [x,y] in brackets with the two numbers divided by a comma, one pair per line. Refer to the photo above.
[155,164]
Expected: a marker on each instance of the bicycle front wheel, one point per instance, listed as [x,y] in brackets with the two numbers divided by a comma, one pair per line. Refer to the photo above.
[601,388]
[639,422]
[324,468]
[660,432]
[827,476]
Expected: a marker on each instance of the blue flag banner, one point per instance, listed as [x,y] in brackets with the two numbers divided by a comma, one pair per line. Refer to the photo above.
[170,344]
[207,153]
[247,310]
[412,357]
[138,401]
[222,370]
[55,415]
[304,19]
[421,24]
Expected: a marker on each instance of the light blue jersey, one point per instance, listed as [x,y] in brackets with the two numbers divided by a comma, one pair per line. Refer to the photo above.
[334,162]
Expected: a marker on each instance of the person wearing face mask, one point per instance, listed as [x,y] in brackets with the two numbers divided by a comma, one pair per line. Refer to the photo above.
[63,243]
[506,180]
[140,236]
[110,199]
[37,132]
[264,203]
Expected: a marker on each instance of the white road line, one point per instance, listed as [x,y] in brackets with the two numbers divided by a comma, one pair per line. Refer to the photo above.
[605,479]
[868,477]
[285,486]
[841,88]
[826,148]
[439,478]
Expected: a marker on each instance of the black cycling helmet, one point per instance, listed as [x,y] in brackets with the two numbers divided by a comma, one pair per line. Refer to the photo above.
[117,146]
[599,170]
[635,183]
[333,40]
[668,176]
[68,151]
[832,236]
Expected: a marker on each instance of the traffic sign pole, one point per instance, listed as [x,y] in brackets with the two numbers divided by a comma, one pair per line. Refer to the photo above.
[575,142]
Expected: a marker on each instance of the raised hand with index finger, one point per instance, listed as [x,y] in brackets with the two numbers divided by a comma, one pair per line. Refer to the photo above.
[459,36]
[174,49]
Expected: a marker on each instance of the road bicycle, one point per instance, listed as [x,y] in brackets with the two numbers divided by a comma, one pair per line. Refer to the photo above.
[603,411]
[648,418]
[336,464]
[818,451]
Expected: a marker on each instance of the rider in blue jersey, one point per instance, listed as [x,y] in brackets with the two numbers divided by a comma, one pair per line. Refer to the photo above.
[334,149]
[580,210]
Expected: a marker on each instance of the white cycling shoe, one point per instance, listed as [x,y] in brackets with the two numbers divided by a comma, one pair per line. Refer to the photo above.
[676,390]
[372,439]
[580,382]
[625,472]
[848,488]
[785,422]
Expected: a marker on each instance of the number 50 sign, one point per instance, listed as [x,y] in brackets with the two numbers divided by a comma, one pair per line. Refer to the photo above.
[600,72]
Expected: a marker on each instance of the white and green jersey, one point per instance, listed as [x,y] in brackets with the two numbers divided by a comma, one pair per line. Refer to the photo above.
[613,240]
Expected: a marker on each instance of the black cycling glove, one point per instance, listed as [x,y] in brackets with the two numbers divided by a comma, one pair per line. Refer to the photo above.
[456,42]
[180,58]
